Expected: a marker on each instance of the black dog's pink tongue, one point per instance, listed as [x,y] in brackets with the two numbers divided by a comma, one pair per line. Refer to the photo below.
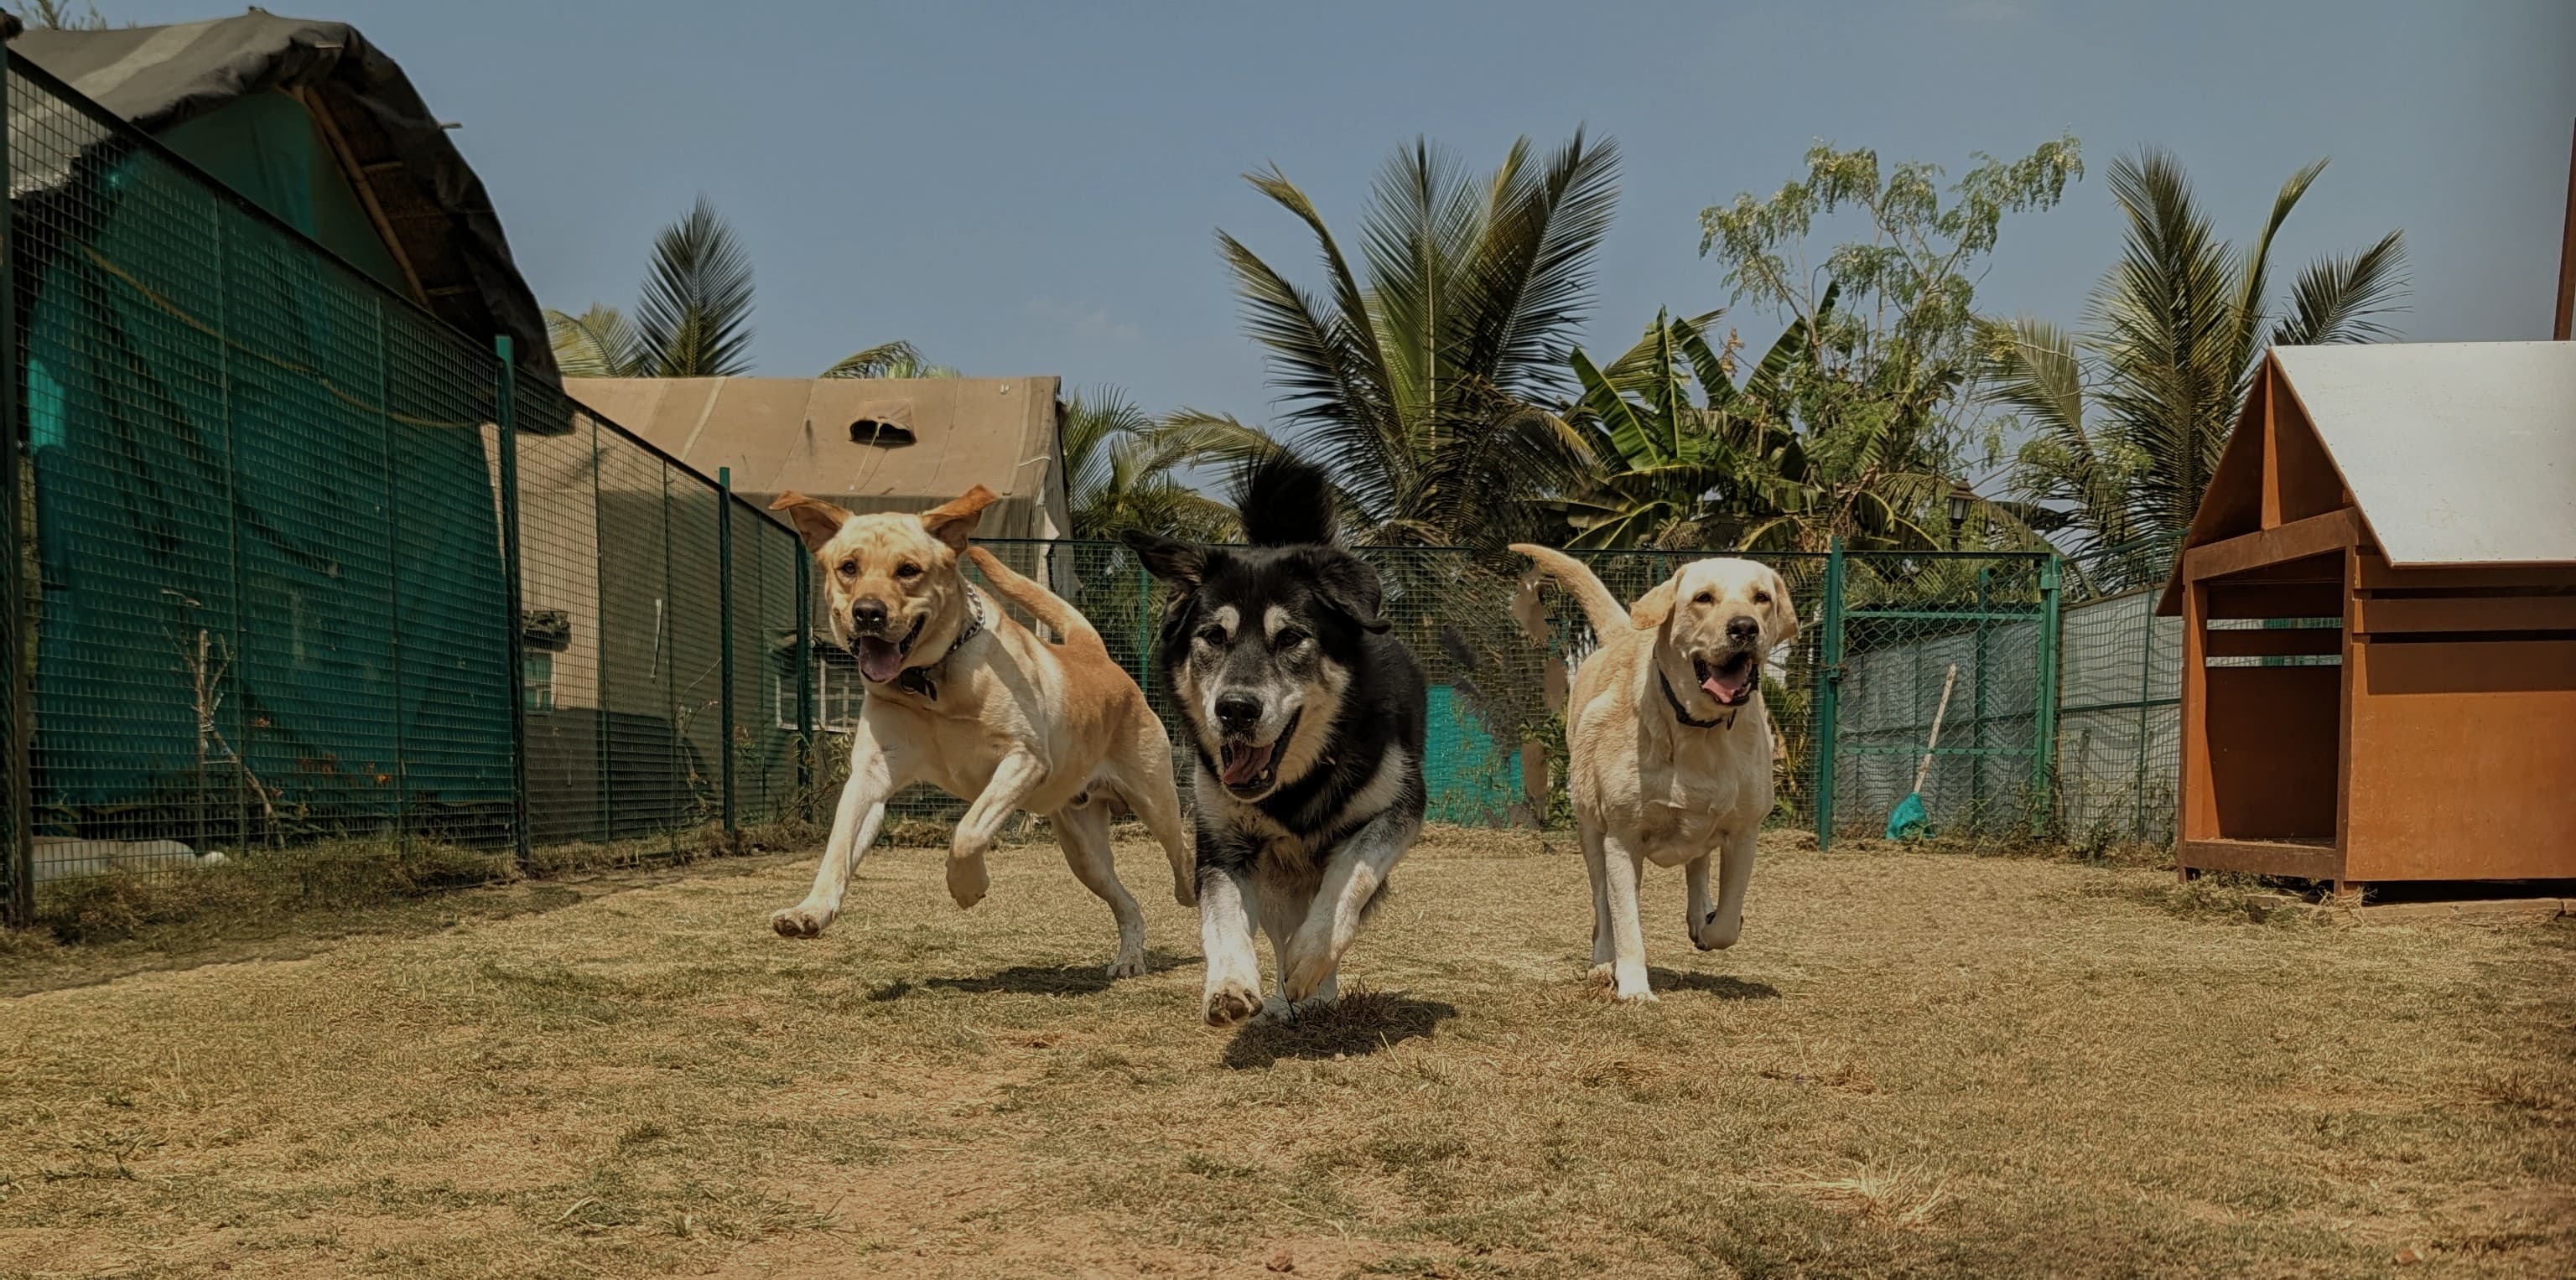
[1244,763]
[1727,688]
[879,659]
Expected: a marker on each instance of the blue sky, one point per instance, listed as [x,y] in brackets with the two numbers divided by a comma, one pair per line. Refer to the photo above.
[1034,188]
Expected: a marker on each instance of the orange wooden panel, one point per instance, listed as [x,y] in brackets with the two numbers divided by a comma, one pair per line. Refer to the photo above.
[2233,502]
[2297,540]
[2232,599]
[2199,811]
[2303,478]
[2269,642]
[2272,736]
[2463,760]
[2378,574]
[2468,613]
[2316,860]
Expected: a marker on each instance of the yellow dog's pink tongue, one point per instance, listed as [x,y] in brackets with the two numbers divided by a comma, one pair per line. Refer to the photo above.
[879,660]
[1243,764]
[1725,688]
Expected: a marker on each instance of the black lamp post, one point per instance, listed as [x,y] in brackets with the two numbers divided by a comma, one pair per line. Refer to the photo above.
[1962,501]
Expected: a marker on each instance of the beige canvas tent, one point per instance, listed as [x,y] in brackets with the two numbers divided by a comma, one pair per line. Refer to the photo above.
[904,444]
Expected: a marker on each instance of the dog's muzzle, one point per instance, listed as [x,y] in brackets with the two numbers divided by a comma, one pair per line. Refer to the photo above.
[1730,677]
[880,657]
[1250,769]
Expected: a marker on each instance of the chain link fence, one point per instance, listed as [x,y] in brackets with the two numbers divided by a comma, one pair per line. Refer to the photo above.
[301,566]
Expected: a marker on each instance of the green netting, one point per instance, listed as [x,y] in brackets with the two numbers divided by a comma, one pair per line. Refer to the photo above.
[271,588]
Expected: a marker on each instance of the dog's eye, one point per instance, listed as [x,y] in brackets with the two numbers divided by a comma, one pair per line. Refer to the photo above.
[1761,597]
[849,568]
[907,571]
[1705,597]
[1288,638]
[1212,635]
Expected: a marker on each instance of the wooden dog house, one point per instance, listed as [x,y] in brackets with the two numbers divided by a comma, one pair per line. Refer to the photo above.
[2379,604]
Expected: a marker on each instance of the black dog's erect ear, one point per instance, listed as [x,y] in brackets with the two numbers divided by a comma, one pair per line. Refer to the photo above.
[1350,588]
[1172,561]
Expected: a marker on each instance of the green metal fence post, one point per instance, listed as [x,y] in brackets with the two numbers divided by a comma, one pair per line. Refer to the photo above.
[1977,732]
[1829,698]
[17,843]
[504,392]
[724,644]
[2043,758]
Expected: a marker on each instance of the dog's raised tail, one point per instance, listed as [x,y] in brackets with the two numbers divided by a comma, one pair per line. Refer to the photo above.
[1046,605]
[1284,501]
[1608,616]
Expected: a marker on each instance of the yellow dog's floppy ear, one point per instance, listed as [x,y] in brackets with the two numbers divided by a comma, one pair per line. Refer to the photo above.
[816,520]
[1655,607]
[1784,615]
[954,522]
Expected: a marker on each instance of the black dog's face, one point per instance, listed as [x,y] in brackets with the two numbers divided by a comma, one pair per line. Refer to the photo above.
[1258,647]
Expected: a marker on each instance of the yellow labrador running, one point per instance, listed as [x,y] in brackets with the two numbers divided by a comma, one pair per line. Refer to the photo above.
[961,696]
[1670,746]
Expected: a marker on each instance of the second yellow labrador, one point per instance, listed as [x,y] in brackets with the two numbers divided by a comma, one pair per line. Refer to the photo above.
[1669,745]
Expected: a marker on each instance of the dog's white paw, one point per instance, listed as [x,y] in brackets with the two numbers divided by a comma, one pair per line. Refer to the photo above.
[1641,995]
[1228,1003]
[967,880]
[1129,964]
[800,921]
[1602,975]
[1310,965]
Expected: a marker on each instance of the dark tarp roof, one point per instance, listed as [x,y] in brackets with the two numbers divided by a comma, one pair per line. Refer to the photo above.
[431,207]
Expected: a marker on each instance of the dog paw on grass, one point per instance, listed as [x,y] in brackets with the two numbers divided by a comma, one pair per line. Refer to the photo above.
[1231,1003]
[800,922]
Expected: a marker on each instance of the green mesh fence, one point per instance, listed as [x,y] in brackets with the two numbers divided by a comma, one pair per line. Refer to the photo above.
[2119,724]
[266,586]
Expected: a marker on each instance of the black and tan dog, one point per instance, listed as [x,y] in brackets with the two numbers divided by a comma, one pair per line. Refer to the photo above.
[964,698]
[1308,720]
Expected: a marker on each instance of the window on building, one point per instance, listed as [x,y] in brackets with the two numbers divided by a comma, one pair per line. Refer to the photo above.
[537,681]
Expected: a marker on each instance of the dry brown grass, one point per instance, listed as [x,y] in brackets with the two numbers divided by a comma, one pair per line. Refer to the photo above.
[1913,1063]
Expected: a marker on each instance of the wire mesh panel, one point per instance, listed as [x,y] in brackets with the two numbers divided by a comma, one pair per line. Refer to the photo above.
[270,588]
[1959,639]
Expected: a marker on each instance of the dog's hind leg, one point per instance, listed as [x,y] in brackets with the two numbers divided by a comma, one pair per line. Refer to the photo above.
[1083,830]
[1018,774]
[1145,783]
[1615,868]
[1282,914]
[855,822]
[1590,838]
[1720,926]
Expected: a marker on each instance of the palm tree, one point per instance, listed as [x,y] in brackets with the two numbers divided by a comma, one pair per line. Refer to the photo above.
[694,318]
[2177,332]
[1417,378]
[1118,470]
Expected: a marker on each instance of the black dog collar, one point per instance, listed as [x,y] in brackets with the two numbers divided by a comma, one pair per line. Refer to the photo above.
[1684,716]
[917,680]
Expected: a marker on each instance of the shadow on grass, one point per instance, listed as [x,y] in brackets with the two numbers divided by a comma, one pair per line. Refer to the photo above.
[1356,1025]
[1032,980]
[1716,984]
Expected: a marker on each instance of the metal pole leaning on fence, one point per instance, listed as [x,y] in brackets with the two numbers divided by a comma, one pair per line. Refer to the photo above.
[18,842]
[724,620]
[1829,697]
[505,430]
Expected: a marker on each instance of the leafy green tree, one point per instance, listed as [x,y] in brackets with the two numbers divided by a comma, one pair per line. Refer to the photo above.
[1421,376]
[2131,415]
[694,317]
[1878,394]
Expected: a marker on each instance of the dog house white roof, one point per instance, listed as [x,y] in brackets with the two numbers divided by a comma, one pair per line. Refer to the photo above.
[2457,453]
